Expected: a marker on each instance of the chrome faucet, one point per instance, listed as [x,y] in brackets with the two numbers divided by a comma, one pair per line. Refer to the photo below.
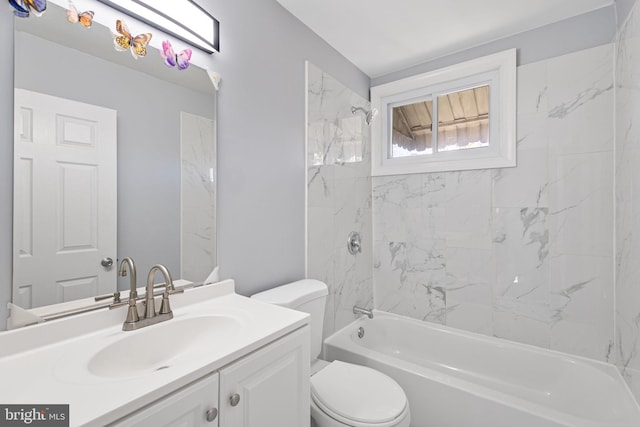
[360,310]
[150,315]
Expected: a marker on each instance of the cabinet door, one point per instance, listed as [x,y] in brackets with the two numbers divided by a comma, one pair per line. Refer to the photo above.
[194,405]
[270,387]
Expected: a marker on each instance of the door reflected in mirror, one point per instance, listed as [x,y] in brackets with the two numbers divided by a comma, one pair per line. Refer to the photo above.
[65,199]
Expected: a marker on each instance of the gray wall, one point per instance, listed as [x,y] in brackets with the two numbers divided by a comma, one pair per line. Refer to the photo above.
[261,138]
[581,32]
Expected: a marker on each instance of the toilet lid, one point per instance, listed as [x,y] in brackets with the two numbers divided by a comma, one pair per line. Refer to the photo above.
[358,393]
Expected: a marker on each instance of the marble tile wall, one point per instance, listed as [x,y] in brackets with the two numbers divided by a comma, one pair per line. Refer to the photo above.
[198,194]
[520,253]
[627,195]
[338,196]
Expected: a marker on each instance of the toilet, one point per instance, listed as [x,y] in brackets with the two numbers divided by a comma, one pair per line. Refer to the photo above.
[342,394]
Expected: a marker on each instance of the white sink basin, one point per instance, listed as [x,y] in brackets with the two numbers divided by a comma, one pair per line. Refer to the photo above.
[160,346]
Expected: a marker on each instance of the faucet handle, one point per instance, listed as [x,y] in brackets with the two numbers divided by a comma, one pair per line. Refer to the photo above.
[132,312]
[165,308]
[115,295]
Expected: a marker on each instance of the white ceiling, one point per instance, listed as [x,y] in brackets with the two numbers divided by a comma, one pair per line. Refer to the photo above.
[382,36]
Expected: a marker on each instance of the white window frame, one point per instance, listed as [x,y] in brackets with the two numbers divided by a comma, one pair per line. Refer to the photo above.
[497,70]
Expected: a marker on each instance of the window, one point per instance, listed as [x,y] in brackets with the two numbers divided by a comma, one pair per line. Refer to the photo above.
[456,118]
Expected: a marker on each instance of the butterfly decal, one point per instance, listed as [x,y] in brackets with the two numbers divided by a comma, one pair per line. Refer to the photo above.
[23,8]
[125,41]
[84,18]
[172,59]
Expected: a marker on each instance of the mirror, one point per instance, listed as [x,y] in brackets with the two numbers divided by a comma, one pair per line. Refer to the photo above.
[159,204]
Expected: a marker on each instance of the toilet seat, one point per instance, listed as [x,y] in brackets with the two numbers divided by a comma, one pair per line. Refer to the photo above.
[358,396]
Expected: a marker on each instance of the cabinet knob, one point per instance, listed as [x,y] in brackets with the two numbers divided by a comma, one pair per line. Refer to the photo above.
[212,414]
[234,399]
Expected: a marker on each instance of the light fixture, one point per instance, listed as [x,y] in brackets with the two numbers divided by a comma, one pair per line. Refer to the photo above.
[183,19]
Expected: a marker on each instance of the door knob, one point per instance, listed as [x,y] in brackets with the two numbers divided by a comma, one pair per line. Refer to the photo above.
[234,399]
[107,262]
[212,414]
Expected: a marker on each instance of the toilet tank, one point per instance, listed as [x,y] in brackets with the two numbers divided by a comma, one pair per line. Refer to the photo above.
[308,296]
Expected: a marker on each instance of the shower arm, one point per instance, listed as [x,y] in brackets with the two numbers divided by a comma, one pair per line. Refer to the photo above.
[369,114]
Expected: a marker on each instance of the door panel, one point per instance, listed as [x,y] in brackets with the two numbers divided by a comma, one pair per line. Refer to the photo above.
[64,199]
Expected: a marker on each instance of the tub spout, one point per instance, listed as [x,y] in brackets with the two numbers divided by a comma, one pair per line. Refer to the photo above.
[360,310]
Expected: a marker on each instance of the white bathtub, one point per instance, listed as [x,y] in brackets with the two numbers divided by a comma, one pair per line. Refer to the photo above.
[460,379]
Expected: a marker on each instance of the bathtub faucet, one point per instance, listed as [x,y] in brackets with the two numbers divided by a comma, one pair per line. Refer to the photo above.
[360,310]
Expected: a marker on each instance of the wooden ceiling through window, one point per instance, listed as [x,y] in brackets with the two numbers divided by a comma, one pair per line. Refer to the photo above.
[463,118]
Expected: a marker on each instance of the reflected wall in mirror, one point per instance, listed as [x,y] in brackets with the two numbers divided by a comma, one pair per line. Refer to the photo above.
[198,193]
[162,204]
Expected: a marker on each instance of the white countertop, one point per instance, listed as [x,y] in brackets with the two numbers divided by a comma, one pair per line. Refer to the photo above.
[47,363]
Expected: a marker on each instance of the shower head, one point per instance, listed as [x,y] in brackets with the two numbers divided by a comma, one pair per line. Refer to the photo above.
[370,115]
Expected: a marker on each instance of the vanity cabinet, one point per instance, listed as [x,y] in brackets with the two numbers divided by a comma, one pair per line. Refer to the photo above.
[266,388]
[270,387]
[194,405]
